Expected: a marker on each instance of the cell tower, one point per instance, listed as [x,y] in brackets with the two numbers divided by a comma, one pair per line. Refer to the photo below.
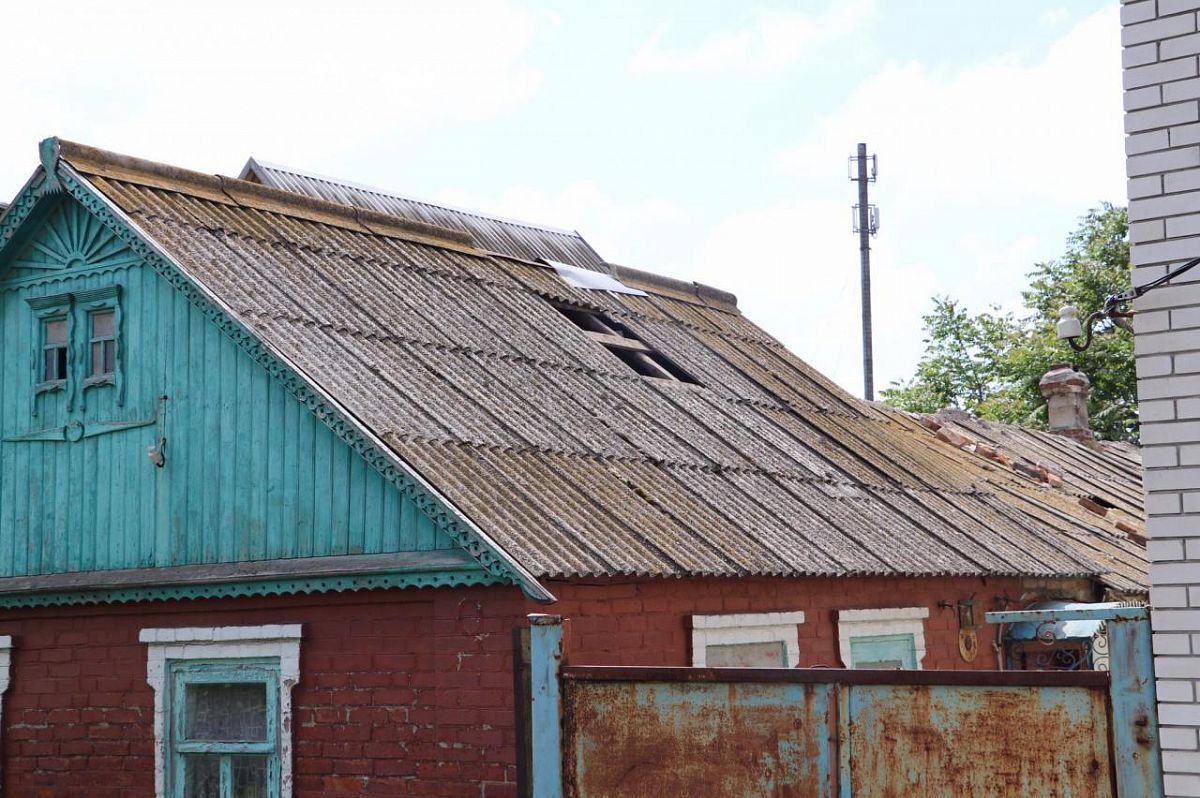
[862,169]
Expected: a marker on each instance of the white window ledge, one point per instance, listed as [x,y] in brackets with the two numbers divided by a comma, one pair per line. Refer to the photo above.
[878,622]
[281,641]
[742,628]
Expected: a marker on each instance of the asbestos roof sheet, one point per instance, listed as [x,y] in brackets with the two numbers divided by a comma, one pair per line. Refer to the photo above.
[506,236]
[456,357]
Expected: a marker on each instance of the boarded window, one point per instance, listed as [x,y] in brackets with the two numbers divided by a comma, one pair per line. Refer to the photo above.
[748,655]
[747,640]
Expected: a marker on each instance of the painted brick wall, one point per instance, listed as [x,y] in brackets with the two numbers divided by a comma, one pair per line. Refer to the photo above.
[401,692]
[1161,43]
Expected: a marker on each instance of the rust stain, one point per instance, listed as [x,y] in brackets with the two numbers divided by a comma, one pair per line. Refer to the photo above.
[664,740]
[930,741]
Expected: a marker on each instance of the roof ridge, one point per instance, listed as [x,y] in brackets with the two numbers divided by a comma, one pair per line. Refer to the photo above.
[96,162]
[686,290]
[545,228]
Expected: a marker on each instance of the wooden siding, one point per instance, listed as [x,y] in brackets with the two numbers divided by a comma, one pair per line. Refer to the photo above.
[250,474]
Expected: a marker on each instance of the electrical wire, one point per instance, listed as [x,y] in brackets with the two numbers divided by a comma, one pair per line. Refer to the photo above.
[1166,278]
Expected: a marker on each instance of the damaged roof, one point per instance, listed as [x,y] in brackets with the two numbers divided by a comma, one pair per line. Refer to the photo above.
[516,395]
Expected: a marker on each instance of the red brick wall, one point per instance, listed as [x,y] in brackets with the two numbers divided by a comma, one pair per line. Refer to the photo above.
[401,692]
[648,622]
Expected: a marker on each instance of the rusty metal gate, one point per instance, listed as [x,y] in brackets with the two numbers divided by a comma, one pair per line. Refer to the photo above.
[596,732]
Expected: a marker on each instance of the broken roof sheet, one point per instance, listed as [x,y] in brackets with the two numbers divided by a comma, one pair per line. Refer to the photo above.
[457,359]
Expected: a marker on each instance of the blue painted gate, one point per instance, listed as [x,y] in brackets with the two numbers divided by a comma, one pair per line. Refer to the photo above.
[595,732]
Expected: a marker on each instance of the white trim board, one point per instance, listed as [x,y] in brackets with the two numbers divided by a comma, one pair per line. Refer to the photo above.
[761,627]
[216,643]
[888,621]
[5,668]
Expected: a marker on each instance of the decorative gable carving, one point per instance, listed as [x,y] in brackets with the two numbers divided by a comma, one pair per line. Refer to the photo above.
[71,239]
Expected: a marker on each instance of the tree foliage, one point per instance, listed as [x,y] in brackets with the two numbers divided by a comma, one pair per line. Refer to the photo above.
[989,363]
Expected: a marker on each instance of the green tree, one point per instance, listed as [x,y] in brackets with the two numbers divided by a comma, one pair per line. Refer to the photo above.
[989,363]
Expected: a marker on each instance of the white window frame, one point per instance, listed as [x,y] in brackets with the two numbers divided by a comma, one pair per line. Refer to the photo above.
[5,668]
[217,643]
[736,629]
[878,622]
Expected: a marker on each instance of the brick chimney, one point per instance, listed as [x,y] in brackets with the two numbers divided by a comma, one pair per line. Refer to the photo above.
[1066,392]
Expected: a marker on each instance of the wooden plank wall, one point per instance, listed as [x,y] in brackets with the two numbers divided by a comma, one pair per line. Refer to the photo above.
[249,473]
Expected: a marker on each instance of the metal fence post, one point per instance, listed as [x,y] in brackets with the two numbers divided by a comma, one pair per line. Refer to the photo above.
[1136,753]
[545,720]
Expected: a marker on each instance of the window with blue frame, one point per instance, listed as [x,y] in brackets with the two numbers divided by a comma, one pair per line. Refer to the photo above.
[98,316]
[52,341]
[54,350]
[224,729]
[78,342]
[889,638]
[887,652]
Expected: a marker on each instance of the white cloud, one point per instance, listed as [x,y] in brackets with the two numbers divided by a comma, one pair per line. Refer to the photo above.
[776,39]
[204,84]
[1053,17]
[795,270]
[972,162]
[996,132]
[583,205]
[964,153]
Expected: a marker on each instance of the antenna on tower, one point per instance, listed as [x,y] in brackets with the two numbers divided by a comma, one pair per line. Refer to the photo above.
[862,169]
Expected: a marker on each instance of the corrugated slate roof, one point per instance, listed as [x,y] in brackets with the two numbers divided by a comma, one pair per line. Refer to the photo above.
[505,236]
[459,360]
[1108,472]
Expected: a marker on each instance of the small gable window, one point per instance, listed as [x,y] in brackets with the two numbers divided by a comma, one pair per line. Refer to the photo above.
[78,343]
[625,345]
[54,350]
[99,317]
[52,342]
[103,344]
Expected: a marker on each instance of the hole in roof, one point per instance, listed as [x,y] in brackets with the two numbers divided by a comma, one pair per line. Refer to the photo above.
[624,344]
[1103,502]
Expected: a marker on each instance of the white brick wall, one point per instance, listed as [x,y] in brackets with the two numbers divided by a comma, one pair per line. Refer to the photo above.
[1161,57]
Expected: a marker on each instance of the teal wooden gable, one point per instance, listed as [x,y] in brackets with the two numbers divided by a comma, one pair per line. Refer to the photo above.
[166,454]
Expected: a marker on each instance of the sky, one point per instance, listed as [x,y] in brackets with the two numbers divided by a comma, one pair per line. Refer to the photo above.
[703,140]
